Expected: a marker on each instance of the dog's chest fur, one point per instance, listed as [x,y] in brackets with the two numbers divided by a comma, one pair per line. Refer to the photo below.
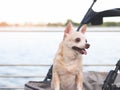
[67,74]
[67,66]
[73,67]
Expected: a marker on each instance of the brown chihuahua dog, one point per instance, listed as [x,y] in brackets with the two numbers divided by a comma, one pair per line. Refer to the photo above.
[67,67]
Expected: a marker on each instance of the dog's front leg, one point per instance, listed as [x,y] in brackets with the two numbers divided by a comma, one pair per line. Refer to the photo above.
[79,81]
[56,81]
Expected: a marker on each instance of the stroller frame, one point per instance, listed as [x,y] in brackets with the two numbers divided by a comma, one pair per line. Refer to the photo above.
[96,18]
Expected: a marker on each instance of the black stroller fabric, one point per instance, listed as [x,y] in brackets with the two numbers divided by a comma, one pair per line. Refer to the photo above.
[92,81]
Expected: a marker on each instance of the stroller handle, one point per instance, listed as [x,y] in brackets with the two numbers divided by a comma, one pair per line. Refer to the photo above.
[82,22]
[95,0]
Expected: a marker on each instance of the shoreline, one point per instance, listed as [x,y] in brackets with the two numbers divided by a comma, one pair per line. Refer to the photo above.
[56,29]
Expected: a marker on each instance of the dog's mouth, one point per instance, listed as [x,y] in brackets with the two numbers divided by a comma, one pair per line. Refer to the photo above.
[80,50]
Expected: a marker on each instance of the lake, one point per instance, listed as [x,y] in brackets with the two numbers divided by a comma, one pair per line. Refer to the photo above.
[40,48]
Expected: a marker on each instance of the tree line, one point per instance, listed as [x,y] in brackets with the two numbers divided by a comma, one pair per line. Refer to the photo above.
[105,24]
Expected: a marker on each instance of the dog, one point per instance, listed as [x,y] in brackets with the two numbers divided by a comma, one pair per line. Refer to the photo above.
[67,65]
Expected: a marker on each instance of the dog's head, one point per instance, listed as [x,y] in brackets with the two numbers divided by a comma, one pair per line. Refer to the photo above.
[76,40]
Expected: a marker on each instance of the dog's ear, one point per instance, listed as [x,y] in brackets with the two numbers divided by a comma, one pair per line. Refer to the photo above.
[83,29]
[68,29]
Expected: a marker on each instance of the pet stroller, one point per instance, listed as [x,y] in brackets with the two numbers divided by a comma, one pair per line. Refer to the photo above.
[92,80]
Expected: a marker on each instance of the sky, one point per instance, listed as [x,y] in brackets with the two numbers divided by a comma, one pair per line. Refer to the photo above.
[44,11]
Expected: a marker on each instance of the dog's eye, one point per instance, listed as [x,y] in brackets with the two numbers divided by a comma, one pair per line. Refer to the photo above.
[86,40]
[77,40]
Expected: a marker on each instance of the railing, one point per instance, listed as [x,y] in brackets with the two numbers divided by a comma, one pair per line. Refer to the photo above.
[35,65]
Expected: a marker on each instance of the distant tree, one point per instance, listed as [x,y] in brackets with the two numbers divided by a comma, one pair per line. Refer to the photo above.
[111,24]
[55,24]
[4,24]
[74,23]
[118,24]
[69,20]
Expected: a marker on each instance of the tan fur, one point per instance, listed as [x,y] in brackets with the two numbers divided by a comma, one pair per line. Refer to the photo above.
[67,66]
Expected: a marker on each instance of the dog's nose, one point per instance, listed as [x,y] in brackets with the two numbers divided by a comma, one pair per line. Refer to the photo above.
[87,46]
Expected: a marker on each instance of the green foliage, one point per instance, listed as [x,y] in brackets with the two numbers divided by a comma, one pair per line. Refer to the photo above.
[74,23]
[55,24]
[111,24]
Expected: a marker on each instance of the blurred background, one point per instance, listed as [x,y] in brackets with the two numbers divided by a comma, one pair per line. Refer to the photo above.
[31,30]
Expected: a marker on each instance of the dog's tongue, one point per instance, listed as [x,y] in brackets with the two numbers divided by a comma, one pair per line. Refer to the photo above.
[80,50]
[83,51]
